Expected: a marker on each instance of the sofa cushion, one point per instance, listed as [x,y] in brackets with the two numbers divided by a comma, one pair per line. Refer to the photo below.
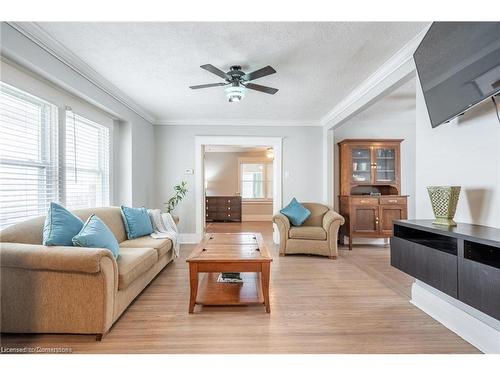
[96,234]
[307,233]
[60,226]
[295,212]
[132,263]
[161,245]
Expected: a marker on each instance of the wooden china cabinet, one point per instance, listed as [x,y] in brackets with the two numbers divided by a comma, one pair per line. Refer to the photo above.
[370,187]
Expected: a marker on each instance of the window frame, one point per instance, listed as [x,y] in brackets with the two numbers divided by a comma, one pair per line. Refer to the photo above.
[47,164]
[68,111]
[52,150]
[256,160]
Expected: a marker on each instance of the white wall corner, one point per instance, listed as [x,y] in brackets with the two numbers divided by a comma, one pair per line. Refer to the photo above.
[394,72]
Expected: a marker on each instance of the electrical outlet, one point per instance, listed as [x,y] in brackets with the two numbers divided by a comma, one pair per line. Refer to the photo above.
[189,171]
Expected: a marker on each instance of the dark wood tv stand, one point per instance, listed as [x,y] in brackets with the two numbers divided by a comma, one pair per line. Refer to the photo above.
[461,261]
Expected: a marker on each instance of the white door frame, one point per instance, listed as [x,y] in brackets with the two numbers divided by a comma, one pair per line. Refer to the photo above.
[199,170]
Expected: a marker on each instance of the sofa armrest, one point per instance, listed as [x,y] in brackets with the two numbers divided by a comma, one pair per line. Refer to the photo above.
[57,289]
[283,225]
[53,258]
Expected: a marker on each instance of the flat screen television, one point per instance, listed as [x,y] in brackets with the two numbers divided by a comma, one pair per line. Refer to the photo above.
[458,64]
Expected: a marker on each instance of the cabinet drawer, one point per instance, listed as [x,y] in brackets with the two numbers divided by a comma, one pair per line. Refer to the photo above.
[434,267]
[368,201]
[392,200]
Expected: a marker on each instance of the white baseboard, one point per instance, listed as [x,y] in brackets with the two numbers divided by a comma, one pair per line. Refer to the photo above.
[257,218]
[473,326]
[189,238]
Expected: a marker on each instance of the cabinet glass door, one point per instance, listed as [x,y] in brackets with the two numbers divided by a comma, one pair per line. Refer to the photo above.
[385,162]
[361,164]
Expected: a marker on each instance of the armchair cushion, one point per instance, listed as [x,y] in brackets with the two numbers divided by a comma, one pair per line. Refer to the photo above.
[296,213]
[307,233]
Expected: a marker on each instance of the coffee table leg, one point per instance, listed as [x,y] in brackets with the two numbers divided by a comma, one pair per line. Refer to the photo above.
[266,268]
[193,282]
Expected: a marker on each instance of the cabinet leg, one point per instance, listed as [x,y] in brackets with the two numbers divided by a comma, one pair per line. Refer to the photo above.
[350,242]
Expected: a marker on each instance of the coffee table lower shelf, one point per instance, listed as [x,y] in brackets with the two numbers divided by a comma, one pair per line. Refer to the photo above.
[213,293]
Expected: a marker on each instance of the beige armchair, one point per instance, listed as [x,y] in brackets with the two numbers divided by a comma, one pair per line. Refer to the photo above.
[318,235]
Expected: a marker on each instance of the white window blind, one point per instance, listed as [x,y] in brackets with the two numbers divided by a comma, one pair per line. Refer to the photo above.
[28,155]
[87,163]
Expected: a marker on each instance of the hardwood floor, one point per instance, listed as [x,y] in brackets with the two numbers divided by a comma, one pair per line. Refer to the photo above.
[355,304]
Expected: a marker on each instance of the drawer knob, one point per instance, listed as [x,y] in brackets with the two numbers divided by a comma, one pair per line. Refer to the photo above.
[393,201]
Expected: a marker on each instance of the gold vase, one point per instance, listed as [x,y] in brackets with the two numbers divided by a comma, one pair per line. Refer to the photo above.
[444,201]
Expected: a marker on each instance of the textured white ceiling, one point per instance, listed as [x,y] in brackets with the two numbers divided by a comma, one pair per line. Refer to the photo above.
[154,63]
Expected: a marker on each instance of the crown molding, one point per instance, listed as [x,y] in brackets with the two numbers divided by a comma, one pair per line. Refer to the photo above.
[235,122]
[44,40]
[402,61]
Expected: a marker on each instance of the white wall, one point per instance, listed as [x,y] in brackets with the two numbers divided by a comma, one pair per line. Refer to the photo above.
[394,117]
[221,171]
[133,178]
[464,152]
[174,145]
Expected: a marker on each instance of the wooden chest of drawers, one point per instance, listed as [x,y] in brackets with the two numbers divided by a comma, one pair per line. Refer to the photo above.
[223,208]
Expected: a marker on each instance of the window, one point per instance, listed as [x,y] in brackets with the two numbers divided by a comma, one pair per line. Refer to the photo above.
[42,161]
[87,163]
[28,155]
[256,178]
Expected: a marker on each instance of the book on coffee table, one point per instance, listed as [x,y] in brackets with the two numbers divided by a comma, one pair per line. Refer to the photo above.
[229,277]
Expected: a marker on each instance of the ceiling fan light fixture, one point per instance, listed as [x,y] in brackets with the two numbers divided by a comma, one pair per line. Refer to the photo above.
[235,93]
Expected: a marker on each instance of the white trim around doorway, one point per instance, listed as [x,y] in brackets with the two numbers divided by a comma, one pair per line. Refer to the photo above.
[201,141]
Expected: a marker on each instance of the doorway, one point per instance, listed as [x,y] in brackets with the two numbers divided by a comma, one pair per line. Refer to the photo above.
[246,168]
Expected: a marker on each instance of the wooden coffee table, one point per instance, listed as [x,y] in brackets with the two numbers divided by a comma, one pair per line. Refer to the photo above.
[230,252]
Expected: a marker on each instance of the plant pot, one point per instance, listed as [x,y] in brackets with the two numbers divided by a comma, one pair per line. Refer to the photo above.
[444,201]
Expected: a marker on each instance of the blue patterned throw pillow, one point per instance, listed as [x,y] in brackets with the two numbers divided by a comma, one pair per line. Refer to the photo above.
[296,213]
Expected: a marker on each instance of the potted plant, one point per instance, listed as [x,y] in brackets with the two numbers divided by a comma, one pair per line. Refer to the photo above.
[180,192]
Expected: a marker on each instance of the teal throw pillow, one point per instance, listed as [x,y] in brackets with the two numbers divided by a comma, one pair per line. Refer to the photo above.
[137,222]
[96,234]
[296,213]
[60,226]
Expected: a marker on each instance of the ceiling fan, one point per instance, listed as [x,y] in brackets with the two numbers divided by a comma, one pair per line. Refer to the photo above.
[238,82]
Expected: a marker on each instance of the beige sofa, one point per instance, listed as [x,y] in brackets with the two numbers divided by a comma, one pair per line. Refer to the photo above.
[318,235]
[73,289]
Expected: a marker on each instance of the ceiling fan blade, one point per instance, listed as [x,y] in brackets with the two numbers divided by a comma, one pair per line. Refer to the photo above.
[207,85]
[259,73]
[267,90]
[214,70]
